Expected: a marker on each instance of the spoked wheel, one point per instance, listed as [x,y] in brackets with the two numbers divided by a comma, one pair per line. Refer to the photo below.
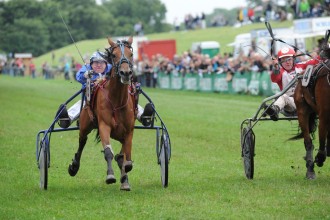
[164,157]
[43,163]
[247,144]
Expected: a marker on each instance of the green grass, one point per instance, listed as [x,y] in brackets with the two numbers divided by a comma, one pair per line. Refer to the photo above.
[206,177]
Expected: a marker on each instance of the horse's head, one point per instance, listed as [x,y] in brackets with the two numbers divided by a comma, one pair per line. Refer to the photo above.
[324,46]
[325,51]
[120,55]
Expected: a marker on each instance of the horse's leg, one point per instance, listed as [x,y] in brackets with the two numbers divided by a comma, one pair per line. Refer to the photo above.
[304,125]
[104,132]
[328,141]
[321,154]
[304,114]
[327,131]
[119,158]
[127,164]
[85,128]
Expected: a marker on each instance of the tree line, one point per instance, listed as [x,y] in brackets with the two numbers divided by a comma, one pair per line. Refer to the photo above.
[34,26]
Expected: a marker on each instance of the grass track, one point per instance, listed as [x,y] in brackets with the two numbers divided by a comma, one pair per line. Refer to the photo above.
[206,179]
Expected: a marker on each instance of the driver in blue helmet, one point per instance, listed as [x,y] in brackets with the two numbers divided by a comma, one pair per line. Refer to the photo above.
[97,65]
[96,69]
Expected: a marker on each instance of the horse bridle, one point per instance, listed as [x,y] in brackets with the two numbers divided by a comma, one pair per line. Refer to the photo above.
[123,58]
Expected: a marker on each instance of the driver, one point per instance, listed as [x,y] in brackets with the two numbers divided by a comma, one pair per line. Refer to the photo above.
[99,67]
[284,70]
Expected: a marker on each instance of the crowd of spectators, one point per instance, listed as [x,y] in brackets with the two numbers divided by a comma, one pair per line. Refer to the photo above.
[283,10]
[191,22]
[148,69]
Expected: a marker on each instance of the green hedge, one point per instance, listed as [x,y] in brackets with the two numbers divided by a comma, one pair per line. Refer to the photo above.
[247,83]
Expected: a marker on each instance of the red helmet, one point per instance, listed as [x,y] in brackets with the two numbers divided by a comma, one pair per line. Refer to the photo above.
[286,52]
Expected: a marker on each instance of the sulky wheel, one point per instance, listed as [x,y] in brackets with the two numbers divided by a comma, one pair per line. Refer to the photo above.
[163,157]
[43,163]
[247,144]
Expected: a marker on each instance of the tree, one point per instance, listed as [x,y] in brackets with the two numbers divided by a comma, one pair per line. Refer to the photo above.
[37,26]
[26,35]
[126,13]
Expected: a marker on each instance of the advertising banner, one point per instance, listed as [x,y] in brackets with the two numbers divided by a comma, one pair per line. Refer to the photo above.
[252,83]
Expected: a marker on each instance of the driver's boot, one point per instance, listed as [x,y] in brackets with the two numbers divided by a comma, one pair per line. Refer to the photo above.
[273,112]
[63,117]
[146,117]
[66,117]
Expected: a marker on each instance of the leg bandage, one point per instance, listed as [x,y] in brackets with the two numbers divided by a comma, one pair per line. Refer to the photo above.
[109,146]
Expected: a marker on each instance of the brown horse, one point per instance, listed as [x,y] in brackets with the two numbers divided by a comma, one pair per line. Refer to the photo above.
[112,109]
[313,101]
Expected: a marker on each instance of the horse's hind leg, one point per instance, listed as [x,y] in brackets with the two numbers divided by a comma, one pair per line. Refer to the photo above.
[328,136]
[126,162]
[310,174]
[321,154]
[85,129]
[124,170]
[74,166]
[309,147]
[328,144]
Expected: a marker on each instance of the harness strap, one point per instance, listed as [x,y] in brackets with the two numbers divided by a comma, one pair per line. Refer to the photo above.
[114,109]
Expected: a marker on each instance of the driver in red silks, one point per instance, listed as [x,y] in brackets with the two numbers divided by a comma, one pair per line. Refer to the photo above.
[284,70]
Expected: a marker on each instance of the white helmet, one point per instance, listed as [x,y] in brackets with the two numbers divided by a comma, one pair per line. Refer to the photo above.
[97,56]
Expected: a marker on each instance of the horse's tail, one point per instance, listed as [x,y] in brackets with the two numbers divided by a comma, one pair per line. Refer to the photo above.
[97,136]
[312,124]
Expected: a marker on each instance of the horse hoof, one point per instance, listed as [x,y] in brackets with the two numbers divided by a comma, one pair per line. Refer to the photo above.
[128,166]
[320,158]
[319,164]
[110,179]
[124,183]
[125,187]
[310,175]
[119,158]
[73,169]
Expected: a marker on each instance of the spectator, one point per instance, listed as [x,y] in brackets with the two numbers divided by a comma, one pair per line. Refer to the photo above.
[138,29]
[304,9]
[176,24]
[67,68]
[32,68]
[203,22]
[250,14]
[147,70]
[269,11]
[46,70]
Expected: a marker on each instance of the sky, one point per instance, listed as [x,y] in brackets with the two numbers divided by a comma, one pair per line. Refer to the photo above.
[179,8]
